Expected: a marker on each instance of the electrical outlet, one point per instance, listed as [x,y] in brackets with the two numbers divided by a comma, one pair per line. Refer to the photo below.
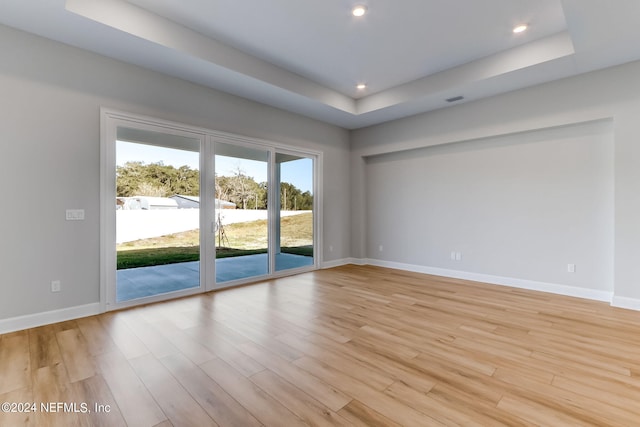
[56,286]
[380,248]
[330,248]
[458,256]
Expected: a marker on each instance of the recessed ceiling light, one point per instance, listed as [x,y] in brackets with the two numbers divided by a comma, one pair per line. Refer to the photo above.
[520,28]
[361,86]
[359,10]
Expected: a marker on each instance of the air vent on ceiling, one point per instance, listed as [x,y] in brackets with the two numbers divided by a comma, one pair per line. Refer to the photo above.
[455,98]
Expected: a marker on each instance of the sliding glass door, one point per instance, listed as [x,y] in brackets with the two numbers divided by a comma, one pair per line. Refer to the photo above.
[157,214]
[264,212]
[294,231]
[187,210]
[241,212]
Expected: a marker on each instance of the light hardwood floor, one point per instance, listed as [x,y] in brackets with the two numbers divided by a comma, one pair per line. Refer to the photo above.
[353,345]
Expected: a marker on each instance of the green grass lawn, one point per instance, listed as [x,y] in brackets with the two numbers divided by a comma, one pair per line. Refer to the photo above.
[247,238]
[133,258]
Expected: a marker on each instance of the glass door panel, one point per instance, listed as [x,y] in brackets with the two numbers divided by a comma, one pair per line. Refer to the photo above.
[157,214]
[241,212]
[161,182]
[294,240]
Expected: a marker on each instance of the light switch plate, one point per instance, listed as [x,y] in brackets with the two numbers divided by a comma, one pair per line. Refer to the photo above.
[75,214]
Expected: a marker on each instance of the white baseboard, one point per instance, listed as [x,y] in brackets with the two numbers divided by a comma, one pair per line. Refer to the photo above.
[624,302]
[335,263]
[39,319]
[341,262]
[532,285]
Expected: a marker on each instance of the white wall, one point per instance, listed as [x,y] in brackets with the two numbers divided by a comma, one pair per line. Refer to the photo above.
[523,205]
[51,95]
[50,102]
[501,141]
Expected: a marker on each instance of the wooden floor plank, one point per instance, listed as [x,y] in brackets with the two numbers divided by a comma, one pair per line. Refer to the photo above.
[359,369]
[352,345]
[386,405]
[49,389]
[448,414]
[360,415]
[323,392]
[152,338]
[187,345]
[592,410]
[537,413]
[314,345]
[176,402]
[219,404]
[262,406]
[96,337]
[43,346]
[75,354]
[14,417]
[127,342]
[14,363]
[134,400]
[297,401]
[102,407]
[221,343]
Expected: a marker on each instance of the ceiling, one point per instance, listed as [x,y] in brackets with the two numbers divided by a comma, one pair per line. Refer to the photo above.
[308,56]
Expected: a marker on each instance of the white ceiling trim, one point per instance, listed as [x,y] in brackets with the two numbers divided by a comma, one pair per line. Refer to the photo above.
[446,84]
[597,34]
[143,24]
